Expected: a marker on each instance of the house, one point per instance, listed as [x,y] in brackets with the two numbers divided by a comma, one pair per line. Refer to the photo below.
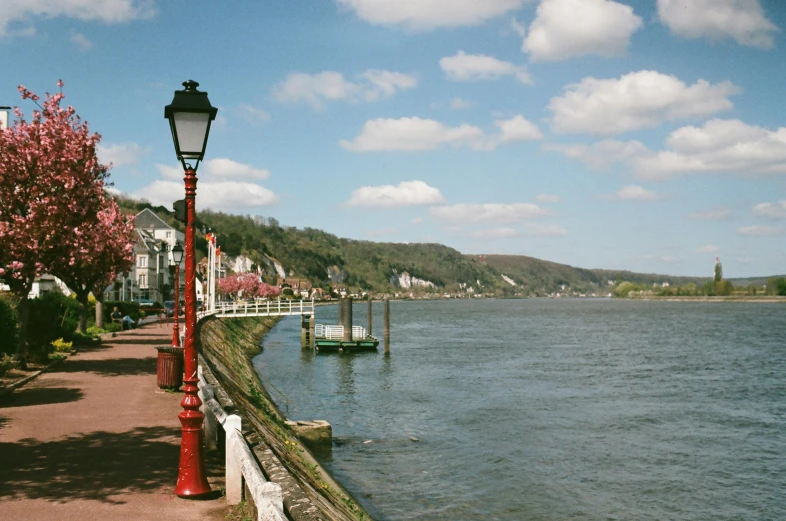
[149,277]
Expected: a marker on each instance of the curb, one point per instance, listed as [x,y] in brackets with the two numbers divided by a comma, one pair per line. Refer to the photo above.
[16,385]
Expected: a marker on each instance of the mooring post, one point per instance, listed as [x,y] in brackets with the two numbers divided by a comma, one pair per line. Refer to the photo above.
[369,315]
[387,324]
[341,311]
[303,331]
[347,315]
[312,324]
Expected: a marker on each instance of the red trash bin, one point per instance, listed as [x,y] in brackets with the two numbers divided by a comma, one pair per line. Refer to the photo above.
[169,369]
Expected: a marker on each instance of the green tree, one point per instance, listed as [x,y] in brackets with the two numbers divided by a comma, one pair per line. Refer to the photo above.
[718,271]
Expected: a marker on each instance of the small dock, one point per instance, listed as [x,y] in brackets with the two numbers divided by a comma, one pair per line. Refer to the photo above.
[332,339]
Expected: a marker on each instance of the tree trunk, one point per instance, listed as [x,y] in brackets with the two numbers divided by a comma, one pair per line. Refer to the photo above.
[100,311]
[23,312]
[81,297]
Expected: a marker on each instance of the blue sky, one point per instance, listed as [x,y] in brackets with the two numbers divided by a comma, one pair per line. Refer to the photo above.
[635,134]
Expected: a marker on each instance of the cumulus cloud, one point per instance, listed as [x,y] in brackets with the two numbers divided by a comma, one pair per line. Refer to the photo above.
[315,89]
[458,104]
[253,115]
[636,100]
[121,154]
[495,233]
[479,67]
[406,193]
[226,196]
[761,231]
[81,41]
[719,213]
[602,154]
[707,248]
[417,134]
[548,198]
[106,11]
[429,14]
[544,230]
[223,185]
[474,213]
[742,20]
[773,211]
[717,146]
[632,193]
[568,28]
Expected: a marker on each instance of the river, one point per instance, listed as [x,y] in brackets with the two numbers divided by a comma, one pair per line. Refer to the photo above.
[551,409]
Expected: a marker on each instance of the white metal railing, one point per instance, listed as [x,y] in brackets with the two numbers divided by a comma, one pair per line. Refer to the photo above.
[337,332]
[260,307]
[241,465]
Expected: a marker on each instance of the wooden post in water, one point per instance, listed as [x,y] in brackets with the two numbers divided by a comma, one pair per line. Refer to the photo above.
[347,318]
[304,331]
[369,316]
[341,311]
[312,324]
[387,325]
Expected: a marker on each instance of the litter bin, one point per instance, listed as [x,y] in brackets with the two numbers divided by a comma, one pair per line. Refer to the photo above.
[169,370]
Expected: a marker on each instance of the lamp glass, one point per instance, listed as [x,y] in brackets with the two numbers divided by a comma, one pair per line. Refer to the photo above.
[191,129]
[177,254]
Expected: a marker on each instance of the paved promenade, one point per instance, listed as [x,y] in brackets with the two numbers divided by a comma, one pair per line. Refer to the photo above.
[95,438]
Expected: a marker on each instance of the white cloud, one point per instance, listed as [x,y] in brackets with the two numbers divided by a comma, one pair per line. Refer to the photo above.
[636,100]
[121,154]
[474,213]
[544,230]
[479,67]
[417,221]
[252,114]
[226,169]
[173,173]
[428,14]
[717,146]
[771,210]
[707,248]
[106,11]
[518,128]
[458,104]
[81,41]
[718,213]
[743,20]
[632,193]
[547,198]
[761,231]
[226,196]
[417,134]
[495,233]
[406,193]
[602,154]
[567,28]
[411,134]
[315,89]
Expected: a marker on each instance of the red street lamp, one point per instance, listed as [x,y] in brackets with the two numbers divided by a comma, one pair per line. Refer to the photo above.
[177,258]
[189,115]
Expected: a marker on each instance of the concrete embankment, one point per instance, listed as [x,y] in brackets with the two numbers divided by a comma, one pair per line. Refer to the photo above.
[228,345]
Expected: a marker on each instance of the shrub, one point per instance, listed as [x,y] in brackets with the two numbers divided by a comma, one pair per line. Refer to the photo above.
[8,326]
[52,316]
[61,346]
[6,363]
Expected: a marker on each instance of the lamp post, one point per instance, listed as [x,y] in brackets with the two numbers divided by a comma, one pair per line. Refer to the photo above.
[177,258]
[189,115]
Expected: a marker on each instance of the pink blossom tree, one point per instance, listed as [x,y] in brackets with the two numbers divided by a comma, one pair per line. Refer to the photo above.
[51,183]
[247,285]
[102,246]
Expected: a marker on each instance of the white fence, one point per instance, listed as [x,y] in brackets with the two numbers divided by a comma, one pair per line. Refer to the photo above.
[241,466]
[337,332]
[261,308]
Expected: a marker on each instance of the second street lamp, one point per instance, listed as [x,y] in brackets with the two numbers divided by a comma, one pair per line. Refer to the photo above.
[189,115]
[177,258]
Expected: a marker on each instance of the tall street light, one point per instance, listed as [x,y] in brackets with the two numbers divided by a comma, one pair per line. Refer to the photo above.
[177,258]
[189,115]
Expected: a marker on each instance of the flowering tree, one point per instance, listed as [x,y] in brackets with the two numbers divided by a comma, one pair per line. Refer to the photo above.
[50,184]
[102,247]
[247,285]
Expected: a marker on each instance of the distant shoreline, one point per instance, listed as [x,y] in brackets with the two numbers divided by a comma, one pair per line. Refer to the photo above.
[750,298]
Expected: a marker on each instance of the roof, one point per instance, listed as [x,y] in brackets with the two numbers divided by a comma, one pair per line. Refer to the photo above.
[148,219]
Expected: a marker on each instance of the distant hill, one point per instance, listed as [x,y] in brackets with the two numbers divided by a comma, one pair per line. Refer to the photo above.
[330,261]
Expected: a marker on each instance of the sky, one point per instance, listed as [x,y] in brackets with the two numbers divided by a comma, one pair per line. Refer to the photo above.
[646,135]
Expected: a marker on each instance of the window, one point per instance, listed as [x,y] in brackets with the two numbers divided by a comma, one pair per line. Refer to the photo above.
[141,261]
[168,235]
[142,281]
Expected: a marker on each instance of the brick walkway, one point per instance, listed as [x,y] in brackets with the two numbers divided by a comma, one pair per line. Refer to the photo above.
[97,439]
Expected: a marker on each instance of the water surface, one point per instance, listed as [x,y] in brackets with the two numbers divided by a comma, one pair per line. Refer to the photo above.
[551,409]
